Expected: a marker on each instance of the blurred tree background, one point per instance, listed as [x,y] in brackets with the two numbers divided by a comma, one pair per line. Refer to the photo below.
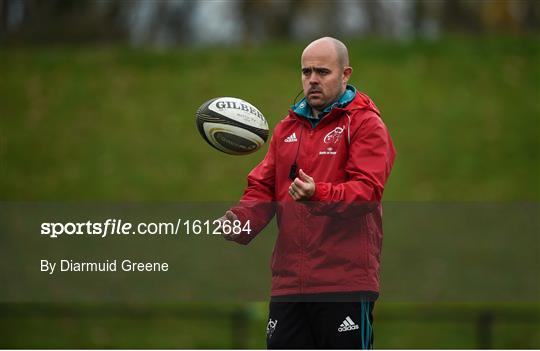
[169,23]
[97,102]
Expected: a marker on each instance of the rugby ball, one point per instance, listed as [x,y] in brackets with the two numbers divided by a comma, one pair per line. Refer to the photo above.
[232,125]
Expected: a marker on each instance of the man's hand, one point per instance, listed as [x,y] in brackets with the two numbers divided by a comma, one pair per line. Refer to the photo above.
[302,188]
[231,217]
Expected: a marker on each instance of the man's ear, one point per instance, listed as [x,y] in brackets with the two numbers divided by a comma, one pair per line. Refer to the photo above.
[347,71]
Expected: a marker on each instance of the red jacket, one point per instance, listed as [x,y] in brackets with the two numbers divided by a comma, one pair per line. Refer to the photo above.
[331,243]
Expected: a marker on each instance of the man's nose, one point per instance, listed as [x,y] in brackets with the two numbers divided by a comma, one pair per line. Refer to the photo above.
[313,79]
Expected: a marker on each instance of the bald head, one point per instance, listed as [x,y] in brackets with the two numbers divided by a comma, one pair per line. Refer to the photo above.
[325,72]
[330,44]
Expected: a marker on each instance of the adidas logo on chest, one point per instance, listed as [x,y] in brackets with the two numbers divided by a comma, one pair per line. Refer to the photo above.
[291,138]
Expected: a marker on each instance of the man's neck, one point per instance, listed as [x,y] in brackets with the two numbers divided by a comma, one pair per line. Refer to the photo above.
[315,113]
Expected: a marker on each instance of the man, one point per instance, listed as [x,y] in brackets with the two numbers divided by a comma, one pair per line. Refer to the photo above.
[323,175]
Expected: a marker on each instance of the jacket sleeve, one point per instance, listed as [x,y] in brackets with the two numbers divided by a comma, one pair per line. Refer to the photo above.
[257,203]
[370,159]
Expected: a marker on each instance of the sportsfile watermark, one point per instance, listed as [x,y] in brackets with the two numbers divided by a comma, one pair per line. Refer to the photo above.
[117,226]
[431,252]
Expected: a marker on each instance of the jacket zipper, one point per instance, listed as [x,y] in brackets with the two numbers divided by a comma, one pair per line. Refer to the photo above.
[302,244]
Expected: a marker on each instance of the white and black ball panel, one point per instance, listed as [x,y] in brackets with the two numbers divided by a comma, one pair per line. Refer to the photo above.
[238,110]
[232,125]
[232,139]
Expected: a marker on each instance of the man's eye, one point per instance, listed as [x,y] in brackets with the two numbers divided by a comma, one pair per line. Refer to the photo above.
[306,72]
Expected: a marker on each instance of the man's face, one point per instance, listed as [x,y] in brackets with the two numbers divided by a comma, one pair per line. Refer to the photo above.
[323,78]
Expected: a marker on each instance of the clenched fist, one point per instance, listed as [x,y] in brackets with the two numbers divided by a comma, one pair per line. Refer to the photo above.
[302,188]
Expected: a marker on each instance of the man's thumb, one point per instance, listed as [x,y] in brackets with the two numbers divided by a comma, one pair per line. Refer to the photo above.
[304,176]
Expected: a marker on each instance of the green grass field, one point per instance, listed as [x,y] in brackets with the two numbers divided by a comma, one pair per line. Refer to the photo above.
[117,124]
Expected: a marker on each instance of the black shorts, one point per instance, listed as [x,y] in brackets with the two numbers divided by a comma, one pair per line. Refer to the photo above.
[315,325]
